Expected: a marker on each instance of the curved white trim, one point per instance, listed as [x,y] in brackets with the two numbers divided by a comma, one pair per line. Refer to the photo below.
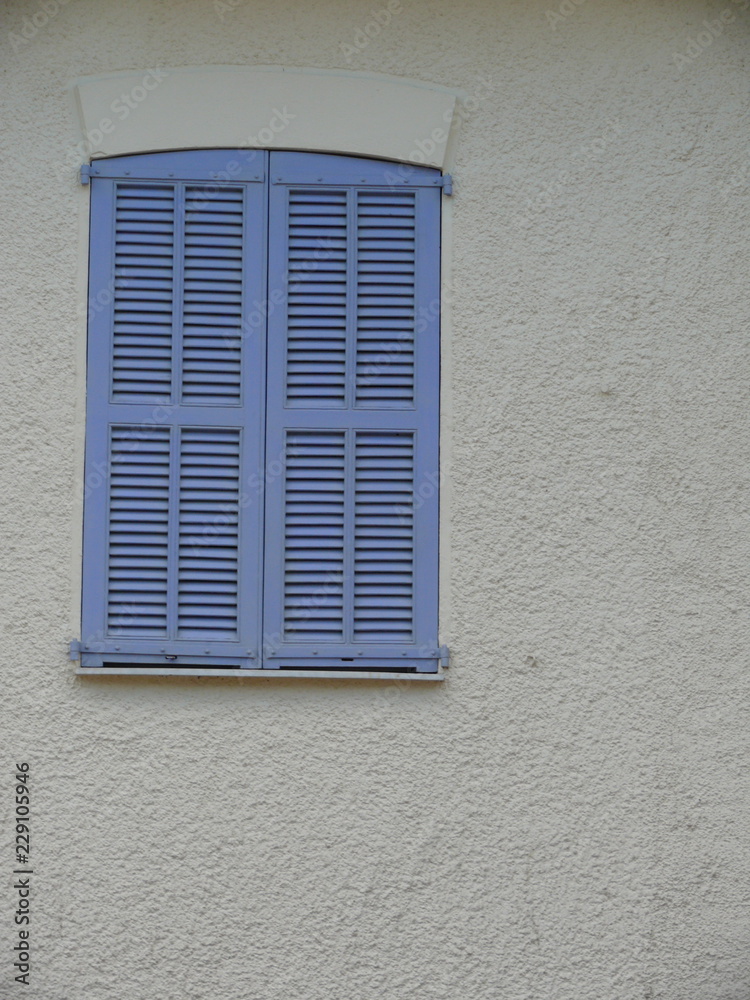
[266,106]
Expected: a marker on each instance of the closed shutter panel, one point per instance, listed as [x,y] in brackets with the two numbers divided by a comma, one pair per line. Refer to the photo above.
[175,401]
[352,426]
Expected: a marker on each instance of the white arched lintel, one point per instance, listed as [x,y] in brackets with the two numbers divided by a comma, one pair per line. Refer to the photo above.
[267,107]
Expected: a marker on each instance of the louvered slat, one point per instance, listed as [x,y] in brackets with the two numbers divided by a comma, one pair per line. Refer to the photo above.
[314,535]
[143,293]
[212,295]
[383,537]
[386,258]
[208,548]
[138,532]
[317,298]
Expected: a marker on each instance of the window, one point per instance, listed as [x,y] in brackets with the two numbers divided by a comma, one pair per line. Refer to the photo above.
[262,414]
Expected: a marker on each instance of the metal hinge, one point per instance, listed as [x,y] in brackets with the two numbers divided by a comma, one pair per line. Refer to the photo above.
[445,657]
[85,173]
[74,652]
[446,183]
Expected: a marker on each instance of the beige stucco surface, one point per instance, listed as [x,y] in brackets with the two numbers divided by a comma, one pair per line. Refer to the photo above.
[566,817]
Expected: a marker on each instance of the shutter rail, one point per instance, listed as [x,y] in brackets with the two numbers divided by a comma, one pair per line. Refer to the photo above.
[419,665]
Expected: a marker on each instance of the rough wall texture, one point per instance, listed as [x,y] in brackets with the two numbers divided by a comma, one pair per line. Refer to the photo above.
[567,816]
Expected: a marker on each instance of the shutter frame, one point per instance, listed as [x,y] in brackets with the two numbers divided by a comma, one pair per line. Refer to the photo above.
[321,175]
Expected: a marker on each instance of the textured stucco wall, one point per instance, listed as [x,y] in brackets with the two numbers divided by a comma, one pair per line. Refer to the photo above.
[567,816]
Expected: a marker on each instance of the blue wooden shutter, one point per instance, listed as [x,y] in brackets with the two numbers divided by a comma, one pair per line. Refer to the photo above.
[175,409]
[353,403]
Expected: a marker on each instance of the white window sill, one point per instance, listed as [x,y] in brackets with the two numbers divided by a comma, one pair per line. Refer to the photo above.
[167,671]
